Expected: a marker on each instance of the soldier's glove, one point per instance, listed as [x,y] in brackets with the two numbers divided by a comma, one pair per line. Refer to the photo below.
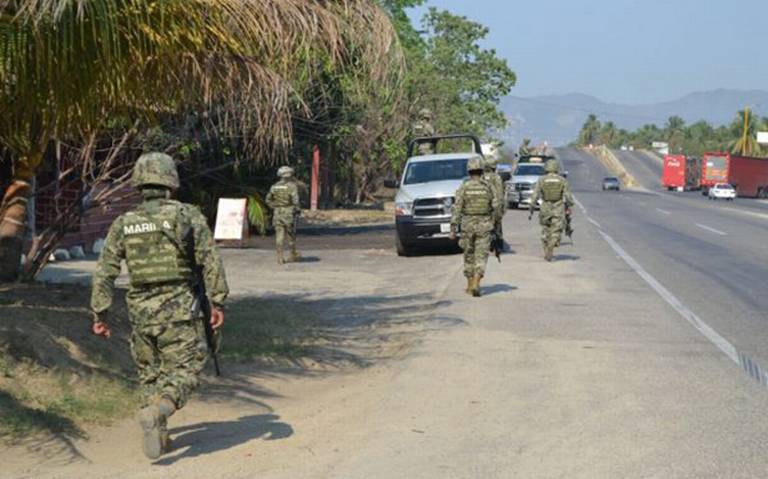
[101,328]
[530,215]
[453,233]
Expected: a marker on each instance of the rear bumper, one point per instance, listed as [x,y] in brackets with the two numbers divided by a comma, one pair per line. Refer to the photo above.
[412,230]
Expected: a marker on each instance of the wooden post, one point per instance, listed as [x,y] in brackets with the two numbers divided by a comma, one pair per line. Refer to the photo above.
[315,178]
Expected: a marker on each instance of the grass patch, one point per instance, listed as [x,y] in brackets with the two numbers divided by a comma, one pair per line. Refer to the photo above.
[55,377]
[267,328]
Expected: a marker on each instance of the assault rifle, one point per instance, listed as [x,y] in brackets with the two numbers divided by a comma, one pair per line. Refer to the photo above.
[205,310]
[568,228]
[497,243]
[203,304]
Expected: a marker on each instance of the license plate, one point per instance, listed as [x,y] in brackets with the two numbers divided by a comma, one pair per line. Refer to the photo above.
[445,228]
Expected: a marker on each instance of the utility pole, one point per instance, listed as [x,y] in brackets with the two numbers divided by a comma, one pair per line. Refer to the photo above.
[744,145]
[314,189]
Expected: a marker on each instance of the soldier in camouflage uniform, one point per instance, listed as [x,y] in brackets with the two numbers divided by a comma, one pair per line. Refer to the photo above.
[422,128]
[492,178]
[557,201]
[283,198]
[475,211]
[525,148]
[157,240]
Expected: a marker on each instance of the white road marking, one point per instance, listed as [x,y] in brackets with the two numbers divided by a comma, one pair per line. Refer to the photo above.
[705,227]
[664,212]
[747,364]
[581,207]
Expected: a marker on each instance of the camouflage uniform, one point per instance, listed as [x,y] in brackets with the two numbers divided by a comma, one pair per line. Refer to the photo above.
[525,148]
[167,340]
[283,198]
[494,180]
[474,211]
[423,128]
[556,197]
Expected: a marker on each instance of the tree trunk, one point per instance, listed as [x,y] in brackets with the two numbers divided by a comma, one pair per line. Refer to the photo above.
[13,226]
[13,212]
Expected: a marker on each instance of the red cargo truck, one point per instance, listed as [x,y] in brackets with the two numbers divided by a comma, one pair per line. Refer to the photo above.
[673,174]
[680,172]
[748,175]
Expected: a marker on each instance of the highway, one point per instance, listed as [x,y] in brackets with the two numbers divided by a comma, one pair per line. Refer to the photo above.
[711,256]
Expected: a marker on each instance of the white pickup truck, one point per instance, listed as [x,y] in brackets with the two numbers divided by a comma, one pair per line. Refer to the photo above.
[426,191]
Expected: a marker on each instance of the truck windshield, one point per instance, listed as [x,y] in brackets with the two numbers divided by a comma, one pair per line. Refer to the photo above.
[529,170]
[437,170]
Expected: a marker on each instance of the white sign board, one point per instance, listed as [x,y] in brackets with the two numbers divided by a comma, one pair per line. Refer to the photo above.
[230,219]
[762,137]
[658,145]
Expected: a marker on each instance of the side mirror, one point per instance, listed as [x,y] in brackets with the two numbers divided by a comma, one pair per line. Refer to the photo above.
[506,176]
[391,183]
[565,174]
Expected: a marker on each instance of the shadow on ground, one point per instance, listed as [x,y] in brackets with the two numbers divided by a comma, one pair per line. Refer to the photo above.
[210,437]
[497,289]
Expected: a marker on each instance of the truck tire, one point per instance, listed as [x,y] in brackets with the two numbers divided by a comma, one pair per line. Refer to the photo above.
[513,205]
[402,248]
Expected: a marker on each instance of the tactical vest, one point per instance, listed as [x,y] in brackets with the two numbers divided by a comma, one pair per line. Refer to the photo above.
[552,188]
[281,195]
[477,198]
[154,246]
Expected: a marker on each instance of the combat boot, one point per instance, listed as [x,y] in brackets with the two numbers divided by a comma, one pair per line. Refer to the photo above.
[280,258]
[153,420]
[476,286]
[548,253]
[295,256]
[470,281]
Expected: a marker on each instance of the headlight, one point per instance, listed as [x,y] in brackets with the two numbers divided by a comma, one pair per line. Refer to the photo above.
[404,209]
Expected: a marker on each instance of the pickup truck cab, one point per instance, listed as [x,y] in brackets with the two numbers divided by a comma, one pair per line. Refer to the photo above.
[524,178]
[425,196]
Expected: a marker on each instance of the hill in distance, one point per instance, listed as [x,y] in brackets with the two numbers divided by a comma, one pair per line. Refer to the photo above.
[557,119]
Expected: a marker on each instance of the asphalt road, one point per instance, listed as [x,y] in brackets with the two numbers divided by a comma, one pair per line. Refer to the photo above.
[712,256]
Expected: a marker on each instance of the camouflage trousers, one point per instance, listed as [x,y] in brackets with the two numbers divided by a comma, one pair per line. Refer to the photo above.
[552,220]
[476,232]
[285,228]
[169,358]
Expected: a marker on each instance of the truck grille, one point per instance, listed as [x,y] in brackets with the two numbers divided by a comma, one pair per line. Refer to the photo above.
[425,207]
[523,186]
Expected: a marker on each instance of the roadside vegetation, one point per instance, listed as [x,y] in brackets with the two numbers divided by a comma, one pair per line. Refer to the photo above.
[739,137]
[254,85]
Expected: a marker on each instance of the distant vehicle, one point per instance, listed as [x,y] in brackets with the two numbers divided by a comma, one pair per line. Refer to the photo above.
[681,173]
[520,186]
[749,176]
[721,191]
[611,183]
[426,192]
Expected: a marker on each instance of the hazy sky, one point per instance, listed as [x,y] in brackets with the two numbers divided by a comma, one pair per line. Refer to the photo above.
[628,51]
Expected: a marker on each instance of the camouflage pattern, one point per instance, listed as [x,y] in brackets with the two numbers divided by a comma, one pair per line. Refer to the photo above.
[155,169]
[492,178]
[556,196]
[474,211]
[525,148]
[283,198]
[167,343]
[422,128]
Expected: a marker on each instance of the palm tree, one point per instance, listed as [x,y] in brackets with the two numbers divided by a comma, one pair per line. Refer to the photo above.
[744,129]
[590,131]
[66,66]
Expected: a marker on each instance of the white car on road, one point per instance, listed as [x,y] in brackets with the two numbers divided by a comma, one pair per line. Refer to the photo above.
[722,191]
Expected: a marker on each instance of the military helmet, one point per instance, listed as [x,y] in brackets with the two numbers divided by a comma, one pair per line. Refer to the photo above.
[551,166]
[285,172]
[475,164]
[490,163]
[425,113]
[155,168]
